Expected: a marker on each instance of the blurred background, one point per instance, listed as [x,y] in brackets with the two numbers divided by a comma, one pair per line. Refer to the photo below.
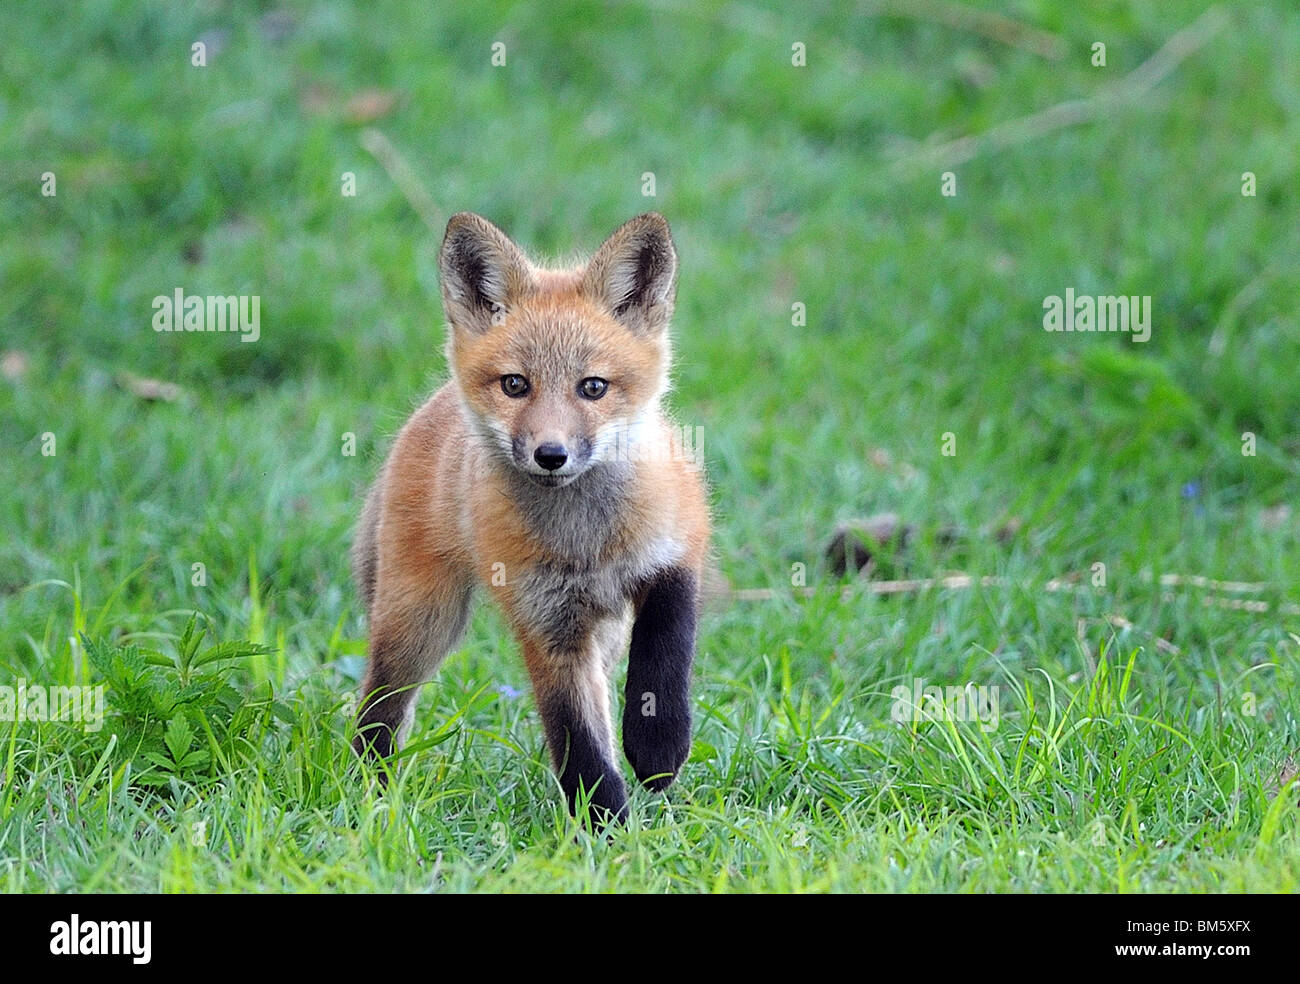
[838,313]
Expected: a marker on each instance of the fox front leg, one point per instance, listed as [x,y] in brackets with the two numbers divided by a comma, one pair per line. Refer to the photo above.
[571,687]
[657,708]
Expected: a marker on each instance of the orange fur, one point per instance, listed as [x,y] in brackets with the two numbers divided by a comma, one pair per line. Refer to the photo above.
[456,506]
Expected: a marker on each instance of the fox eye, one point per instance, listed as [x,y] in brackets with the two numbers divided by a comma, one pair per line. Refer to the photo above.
[593,388]
[514,385]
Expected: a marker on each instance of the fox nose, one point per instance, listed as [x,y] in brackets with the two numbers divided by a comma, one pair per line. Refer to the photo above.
[551,456]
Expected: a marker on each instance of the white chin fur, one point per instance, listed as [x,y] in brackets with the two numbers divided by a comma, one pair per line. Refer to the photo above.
[550,480]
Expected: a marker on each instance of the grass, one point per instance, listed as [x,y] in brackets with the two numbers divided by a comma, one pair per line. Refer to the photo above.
[1143,753]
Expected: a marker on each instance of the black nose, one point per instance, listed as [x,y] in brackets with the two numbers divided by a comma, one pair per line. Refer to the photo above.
[551,456]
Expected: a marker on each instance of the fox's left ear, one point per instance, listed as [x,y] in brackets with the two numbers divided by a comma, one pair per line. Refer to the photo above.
[482,273]
[634,274]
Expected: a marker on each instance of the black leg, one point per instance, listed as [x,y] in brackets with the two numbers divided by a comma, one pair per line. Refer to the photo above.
[657,711]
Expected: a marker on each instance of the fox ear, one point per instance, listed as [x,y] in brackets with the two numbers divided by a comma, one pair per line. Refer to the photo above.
[634,274]
[482,273]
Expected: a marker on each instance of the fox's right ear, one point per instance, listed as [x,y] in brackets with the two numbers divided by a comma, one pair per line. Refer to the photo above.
[482,273]
[634,274]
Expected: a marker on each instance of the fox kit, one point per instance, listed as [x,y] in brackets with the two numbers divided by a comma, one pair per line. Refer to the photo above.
[545,472]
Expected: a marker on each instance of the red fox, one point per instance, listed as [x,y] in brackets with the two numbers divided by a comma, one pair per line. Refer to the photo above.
[539,472]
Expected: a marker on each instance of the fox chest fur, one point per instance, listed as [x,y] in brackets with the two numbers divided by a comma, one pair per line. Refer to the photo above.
[582,554]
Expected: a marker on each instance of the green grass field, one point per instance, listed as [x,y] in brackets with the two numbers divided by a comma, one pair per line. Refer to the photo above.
[1146,735]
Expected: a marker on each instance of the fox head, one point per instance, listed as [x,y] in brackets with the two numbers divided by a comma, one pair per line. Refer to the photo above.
[558,368]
